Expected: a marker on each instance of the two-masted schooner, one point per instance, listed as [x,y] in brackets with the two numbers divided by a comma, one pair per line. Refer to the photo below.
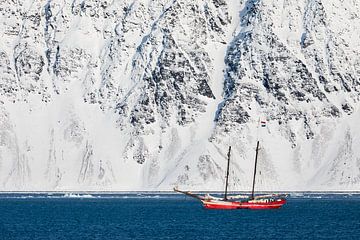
[270,201]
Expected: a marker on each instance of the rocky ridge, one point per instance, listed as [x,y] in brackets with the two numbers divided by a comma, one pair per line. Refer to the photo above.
[146,95]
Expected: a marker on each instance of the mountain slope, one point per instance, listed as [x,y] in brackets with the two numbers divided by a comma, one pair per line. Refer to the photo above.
[135,95]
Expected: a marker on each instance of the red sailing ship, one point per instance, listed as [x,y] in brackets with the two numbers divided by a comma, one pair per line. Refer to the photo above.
[271,201]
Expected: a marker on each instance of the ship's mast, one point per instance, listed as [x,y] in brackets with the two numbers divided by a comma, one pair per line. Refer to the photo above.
[256,156]
[227,174]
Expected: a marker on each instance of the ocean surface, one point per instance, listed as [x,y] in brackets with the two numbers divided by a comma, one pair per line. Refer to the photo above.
[173,216]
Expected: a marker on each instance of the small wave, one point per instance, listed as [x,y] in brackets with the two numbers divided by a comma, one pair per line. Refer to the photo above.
[137,196]
[72,195]
[26,197]
[296,195]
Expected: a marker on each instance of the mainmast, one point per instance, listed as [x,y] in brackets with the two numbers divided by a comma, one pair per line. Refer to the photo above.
[227,174]
[256,156]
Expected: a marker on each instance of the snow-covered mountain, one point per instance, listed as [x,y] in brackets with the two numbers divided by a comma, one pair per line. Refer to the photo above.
[149,94]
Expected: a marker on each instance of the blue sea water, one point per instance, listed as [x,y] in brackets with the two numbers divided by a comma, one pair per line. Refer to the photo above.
[172,216]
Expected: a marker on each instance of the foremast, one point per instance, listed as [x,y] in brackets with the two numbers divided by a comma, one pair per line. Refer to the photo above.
[227,174]
[256,157]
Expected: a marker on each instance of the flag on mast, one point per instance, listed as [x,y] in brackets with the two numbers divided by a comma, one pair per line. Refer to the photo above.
[263,123]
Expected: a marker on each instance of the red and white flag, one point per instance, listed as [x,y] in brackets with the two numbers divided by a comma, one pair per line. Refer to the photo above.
[263,123]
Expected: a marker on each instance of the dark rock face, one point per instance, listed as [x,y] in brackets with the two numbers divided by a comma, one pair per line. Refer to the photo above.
[8,84]
[176,77]
[262,69]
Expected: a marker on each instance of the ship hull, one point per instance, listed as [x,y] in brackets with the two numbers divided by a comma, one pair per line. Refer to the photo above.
[221,205]
[263,205]
[227,205]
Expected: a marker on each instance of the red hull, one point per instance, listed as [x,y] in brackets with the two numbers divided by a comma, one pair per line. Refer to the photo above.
[255,204]
[221,205]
